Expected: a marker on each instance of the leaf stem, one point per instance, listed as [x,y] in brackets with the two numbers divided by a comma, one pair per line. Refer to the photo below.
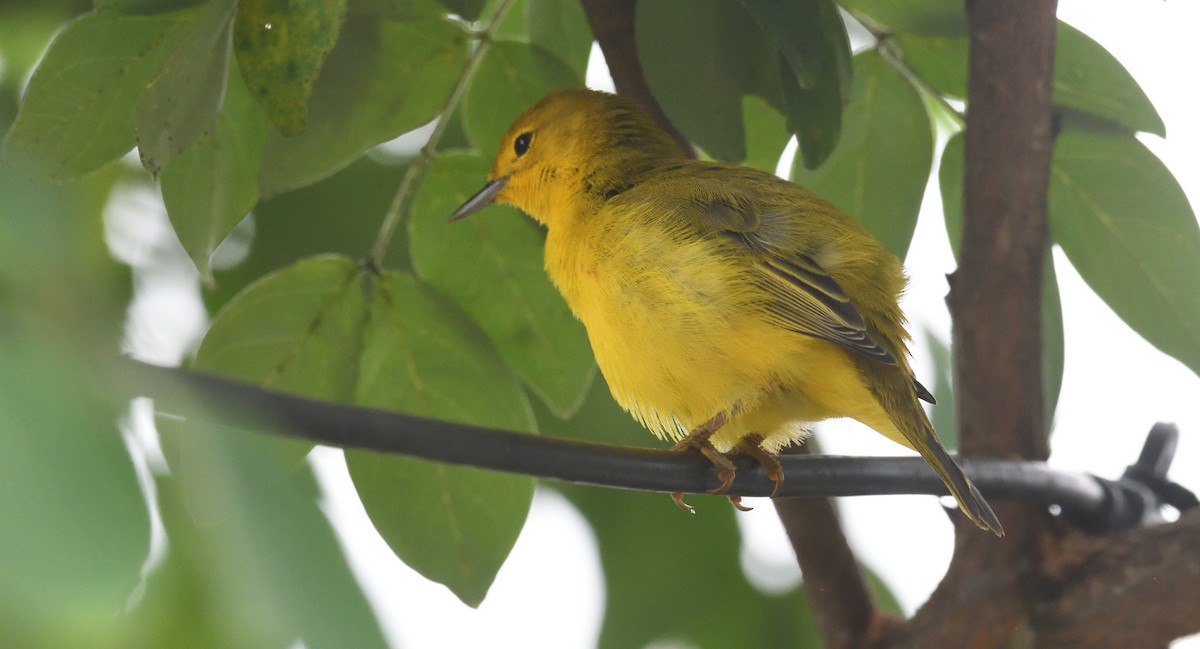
[890,50]
[418,167]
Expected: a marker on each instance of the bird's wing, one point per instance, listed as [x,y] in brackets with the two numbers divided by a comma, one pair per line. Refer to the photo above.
[803,296]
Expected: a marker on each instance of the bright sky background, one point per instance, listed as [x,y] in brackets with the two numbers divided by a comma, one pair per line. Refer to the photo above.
[550,592]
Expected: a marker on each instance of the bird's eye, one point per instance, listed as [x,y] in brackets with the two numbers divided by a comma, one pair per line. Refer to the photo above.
[521,145]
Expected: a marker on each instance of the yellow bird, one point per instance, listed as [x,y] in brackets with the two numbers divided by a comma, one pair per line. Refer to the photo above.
[727,308]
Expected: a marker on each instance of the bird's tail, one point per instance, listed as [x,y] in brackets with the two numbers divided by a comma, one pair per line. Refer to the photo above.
[969,499]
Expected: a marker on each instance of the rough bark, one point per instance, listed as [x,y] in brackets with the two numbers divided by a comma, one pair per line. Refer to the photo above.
[1139,588]
[986,598]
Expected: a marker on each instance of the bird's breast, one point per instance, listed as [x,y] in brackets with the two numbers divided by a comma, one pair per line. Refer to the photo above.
[673,324]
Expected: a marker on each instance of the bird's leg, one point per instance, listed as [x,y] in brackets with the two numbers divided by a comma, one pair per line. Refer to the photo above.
[697,440]
[751,445]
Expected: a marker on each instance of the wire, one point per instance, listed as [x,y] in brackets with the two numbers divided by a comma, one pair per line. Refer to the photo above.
[1093,503]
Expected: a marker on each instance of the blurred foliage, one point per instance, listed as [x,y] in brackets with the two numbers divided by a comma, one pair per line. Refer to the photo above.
[267,140]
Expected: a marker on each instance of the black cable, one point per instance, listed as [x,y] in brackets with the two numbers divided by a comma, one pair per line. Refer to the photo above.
[1091,502]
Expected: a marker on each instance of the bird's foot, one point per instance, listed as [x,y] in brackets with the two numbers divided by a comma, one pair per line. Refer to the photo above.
[697,440]
[750,445]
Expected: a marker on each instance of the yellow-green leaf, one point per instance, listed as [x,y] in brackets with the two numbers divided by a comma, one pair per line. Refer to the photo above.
[1127,227]
[454,525]
[179,106]
[881,165]
[210,188]
[280,46]
[491,266]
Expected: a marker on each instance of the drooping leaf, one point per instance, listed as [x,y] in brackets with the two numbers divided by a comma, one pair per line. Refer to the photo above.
[77,113]
[643,534]
[339,215]
[880,168]
[325,329]
[454,525]
[939,60]
[1053,343]
[76,529]
[491,266]
[249,521]
[562,29]
[280,46]
[512,76]
[815,69]
[383,79]
[179,107]
[210,188]
[144,6]
[944,414]
[924,17]
[298,329]
[1087,78]
[950,185]
[700,57]
[467,9]
[767,134]
[1127,227]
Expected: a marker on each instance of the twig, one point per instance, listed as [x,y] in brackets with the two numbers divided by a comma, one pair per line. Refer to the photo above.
[415,170]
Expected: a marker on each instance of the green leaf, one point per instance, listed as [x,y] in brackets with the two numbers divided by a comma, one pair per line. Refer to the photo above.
[924,17]
[641,534]
[491,266]
[700,57]
[767,134]
[78,110]
[562,29]
[466,9]
[144,6]
[950,183]
[76,529]
[1053,343]
[454,525]
[880,168]
[383,79]
[180,105]
[210,188]
[944,414]
[939,60]
[339,215]
[815,68]
[1087,79]
[511,77]
[248,521]
[1127,227]
[280,46]
[297,330]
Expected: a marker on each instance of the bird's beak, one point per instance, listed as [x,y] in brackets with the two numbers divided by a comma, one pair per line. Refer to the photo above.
[481,199]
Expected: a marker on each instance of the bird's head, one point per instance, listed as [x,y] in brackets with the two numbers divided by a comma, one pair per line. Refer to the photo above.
[567,149]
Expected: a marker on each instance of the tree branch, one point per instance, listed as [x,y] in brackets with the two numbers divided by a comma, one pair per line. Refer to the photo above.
[995,302]
[613,24]
[841,604]
[1135,589]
